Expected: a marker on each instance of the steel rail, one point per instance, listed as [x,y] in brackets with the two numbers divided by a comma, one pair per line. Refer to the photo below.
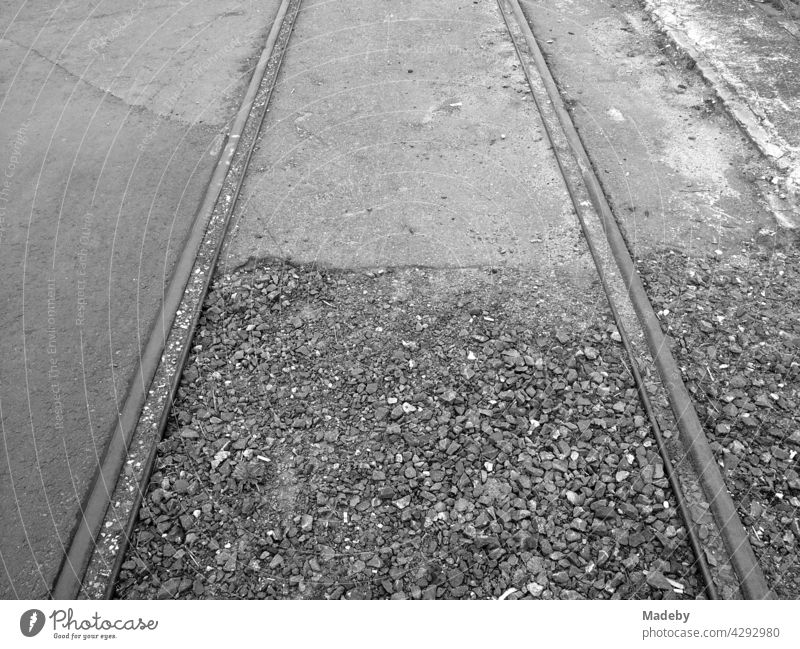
[69,580]
[283,25]
[751,579]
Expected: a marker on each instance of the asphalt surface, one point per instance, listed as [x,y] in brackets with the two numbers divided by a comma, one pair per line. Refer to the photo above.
[111,118]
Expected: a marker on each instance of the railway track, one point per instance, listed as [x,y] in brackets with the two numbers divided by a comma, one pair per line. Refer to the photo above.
[607,244]
[124,472]
[99,546]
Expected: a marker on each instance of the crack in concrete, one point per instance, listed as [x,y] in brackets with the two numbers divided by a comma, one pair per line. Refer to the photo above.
[105,92]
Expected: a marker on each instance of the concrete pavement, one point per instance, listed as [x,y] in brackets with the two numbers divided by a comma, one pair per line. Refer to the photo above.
[403,133]
[674,168]
[748,55]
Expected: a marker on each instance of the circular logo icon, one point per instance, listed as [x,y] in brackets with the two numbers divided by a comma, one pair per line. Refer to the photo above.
[31,622]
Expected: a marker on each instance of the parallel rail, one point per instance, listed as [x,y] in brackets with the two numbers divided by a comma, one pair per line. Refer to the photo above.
[158,375]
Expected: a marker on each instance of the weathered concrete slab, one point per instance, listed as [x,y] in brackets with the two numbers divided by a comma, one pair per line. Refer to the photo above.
[675,169]
[749,58]
[403,133]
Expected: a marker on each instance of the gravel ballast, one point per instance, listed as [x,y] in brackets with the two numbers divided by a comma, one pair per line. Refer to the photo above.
[408,434]
[734,318]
